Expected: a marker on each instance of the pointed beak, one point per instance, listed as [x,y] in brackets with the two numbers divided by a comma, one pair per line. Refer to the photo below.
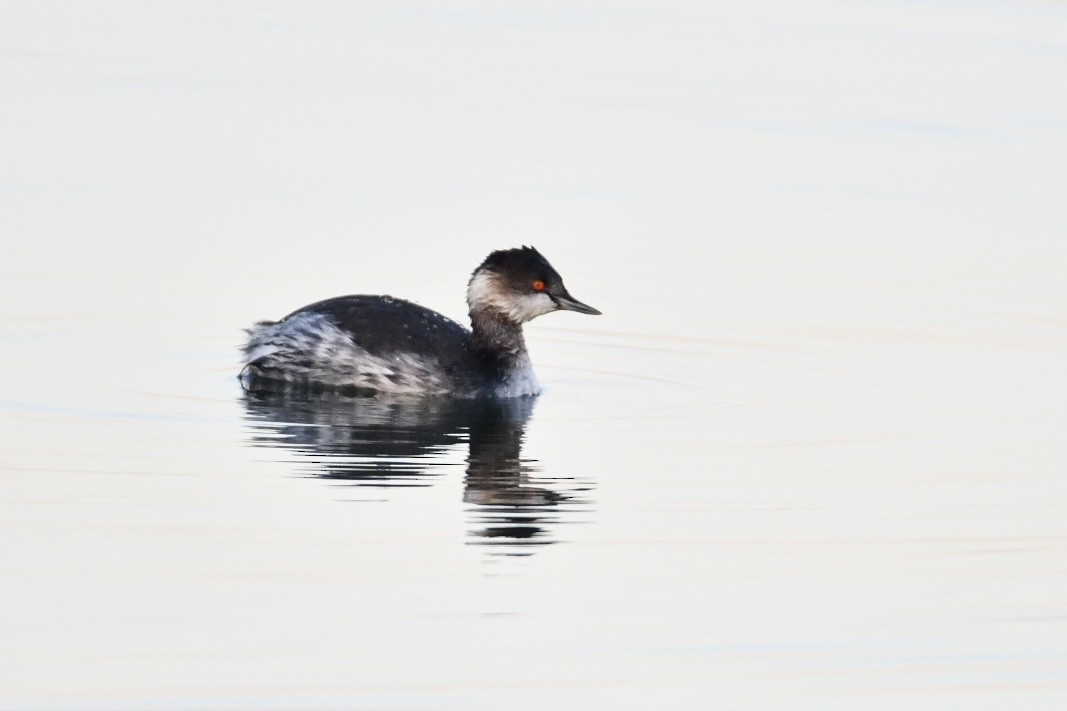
[566,302]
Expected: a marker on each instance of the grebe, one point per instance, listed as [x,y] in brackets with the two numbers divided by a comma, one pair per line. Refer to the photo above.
[378,344]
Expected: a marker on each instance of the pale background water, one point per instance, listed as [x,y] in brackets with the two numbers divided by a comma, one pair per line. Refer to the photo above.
[813,454]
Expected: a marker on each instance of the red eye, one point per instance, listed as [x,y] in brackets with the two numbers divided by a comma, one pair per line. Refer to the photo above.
[538,285]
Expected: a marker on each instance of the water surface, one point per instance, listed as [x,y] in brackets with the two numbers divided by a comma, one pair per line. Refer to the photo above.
[811,456]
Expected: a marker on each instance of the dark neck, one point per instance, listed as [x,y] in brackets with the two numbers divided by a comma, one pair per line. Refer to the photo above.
[493,333]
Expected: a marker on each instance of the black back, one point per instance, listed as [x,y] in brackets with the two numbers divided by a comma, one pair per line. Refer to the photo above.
[383,325]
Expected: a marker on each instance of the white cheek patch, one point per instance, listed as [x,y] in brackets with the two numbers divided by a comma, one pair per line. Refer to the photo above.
[531,306]
[485,291]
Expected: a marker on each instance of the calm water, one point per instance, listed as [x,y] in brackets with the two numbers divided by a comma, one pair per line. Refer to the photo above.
[812,455]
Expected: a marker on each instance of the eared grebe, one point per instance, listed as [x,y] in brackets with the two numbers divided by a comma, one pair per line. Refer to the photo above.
[378,344]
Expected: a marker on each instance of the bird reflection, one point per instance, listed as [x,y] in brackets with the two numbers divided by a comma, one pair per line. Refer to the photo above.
[409,442]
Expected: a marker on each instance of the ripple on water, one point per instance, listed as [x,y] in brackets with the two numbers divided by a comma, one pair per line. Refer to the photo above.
[512,502]
[396,443]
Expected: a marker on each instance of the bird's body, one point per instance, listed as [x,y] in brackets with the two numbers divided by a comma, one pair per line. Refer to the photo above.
[379,344]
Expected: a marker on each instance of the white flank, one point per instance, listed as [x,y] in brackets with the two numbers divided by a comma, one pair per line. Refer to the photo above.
[310,347]
[523,381]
